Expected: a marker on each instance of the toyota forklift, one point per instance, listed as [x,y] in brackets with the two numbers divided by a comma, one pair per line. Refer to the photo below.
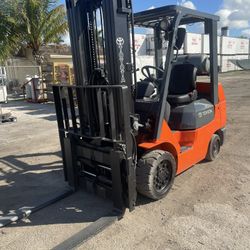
[121,135]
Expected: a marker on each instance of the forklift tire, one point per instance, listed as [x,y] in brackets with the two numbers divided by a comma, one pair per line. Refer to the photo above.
[214,148]
[155,174]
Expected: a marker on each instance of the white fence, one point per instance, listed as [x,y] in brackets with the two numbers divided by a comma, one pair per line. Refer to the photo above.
[16,75]
[20,72]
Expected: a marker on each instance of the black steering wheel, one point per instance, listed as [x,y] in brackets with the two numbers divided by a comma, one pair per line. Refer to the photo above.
[146,72]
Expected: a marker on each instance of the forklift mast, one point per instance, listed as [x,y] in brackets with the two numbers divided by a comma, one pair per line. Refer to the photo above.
[100,34]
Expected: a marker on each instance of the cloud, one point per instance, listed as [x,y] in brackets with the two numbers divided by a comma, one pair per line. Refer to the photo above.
[187,4]
[235,14]
[151,8]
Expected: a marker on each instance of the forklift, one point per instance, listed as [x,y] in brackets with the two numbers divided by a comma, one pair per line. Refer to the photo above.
[120,135]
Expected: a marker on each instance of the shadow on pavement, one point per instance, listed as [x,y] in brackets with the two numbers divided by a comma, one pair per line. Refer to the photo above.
[28,180]
[41,110]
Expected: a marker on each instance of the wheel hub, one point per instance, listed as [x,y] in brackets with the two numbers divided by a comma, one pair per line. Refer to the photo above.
[163,176]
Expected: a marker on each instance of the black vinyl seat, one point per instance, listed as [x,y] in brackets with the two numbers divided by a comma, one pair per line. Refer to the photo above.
[182,85]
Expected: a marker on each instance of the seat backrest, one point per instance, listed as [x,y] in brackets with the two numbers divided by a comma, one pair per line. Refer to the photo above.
[182,79]
[200,61]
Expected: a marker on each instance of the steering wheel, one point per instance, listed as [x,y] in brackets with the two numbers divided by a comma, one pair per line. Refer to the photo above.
[146,72]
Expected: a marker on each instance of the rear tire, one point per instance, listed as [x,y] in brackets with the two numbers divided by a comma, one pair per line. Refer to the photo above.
[155,174]
[214,148]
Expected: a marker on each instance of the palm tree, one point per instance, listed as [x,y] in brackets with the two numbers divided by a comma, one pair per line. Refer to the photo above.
[30,24]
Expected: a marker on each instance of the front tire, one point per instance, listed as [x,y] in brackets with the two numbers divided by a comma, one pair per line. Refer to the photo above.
[155,174]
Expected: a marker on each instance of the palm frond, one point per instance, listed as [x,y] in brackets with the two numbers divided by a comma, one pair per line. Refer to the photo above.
[30,23]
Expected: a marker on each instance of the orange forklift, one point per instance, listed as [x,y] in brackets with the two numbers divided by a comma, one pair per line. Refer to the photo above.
[120,135]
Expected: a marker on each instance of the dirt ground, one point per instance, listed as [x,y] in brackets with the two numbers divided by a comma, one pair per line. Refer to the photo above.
[208,207]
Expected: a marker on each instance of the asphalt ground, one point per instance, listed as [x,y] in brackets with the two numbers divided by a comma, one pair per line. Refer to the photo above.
[208,207]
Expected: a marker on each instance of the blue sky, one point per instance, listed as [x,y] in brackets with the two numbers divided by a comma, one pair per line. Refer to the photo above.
[233,13]
[201,5]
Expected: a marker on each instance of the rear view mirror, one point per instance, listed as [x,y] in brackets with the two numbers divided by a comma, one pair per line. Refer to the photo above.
[165,25]
[181,34]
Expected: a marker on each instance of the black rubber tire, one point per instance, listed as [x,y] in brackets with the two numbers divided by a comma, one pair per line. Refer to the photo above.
[149,168]
[213,148]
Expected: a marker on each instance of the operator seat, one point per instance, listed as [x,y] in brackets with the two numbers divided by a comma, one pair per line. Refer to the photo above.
[182,85]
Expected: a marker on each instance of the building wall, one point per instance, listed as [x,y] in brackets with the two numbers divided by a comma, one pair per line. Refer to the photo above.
[229,49]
